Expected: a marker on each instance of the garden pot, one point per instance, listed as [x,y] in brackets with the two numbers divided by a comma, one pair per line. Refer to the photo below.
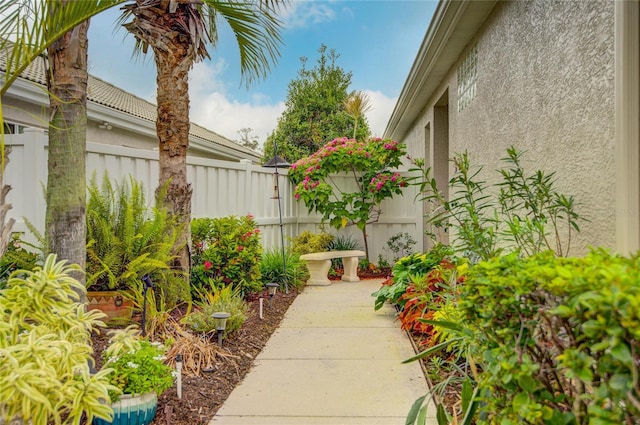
[138,409]
[111,303]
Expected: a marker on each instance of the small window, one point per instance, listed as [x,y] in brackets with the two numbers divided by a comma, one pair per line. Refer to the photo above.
[467,77]
[12,128]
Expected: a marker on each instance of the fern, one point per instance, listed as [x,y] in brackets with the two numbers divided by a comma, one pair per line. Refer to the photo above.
[126,240]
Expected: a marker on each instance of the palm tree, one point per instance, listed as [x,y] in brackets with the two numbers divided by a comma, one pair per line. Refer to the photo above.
[59,27]
[67,77]
[177,31]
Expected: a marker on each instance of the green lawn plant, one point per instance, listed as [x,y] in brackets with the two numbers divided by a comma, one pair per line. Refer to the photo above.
[226,250]
[45,350]
[401,245]
[126,240]
[16,257]
[369,166]
[544,339]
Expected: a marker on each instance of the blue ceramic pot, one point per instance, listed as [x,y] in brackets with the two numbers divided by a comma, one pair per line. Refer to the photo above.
[138,409]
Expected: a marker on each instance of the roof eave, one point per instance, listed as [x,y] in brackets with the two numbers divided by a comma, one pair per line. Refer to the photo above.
[453,26]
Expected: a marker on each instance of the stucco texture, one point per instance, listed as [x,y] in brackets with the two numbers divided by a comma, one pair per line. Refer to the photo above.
[545,84]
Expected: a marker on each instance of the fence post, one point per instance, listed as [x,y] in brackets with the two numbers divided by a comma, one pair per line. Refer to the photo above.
[35,160]
[248,201]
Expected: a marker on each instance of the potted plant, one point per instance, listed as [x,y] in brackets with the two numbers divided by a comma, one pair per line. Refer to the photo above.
[45,349]
[137,371]
[126,240]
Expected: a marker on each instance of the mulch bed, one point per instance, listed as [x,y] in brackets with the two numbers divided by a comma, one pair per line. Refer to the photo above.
[203,395]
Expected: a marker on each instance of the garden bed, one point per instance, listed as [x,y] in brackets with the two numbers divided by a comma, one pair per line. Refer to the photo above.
[203,395]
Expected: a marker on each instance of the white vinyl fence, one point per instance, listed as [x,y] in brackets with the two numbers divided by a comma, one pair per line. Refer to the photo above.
[220,188]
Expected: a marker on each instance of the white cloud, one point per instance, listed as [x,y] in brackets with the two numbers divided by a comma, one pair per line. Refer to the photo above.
[301,14]
[213,109]
[381,109]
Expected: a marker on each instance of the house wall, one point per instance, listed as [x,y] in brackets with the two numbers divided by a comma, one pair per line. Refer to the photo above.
[545,84]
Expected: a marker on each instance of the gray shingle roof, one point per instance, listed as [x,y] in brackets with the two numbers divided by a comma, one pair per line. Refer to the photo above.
[104,93]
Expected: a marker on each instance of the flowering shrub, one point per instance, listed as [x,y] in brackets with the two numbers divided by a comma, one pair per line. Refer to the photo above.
[227,251]
[137,364]
[369,162]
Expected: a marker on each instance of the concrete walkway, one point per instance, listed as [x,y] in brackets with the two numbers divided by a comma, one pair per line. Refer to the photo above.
[333,361]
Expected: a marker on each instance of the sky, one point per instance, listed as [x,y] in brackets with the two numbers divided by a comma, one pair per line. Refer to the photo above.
[376,40]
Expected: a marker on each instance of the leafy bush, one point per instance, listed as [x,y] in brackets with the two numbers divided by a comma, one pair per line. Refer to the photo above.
[272,268]
[226,250]
[414,265]
[558,338]
[16,257]
[225,298]
[127,240]
[46,353]
[136,364]
[307,242]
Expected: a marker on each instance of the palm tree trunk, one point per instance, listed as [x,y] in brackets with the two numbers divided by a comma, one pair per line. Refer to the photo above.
[172,127]
[65,230]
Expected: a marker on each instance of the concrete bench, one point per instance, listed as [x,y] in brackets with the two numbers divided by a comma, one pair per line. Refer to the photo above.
[319,264]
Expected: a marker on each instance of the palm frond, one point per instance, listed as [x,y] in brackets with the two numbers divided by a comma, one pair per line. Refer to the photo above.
[29,27]
[257,31]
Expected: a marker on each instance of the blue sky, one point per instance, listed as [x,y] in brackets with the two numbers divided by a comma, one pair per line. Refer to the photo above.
[377,41]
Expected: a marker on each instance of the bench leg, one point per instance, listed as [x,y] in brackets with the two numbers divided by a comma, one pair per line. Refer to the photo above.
[318,272]
[350,269]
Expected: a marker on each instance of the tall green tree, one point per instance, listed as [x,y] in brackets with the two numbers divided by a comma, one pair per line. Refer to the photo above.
[178,31]
[315,110]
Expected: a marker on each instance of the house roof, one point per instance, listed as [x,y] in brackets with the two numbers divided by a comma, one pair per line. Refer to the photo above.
[106,94]
[453,26]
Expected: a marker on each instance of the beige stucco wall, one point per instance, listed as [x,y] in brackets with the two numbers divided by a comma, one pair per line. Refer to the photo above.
[545,83]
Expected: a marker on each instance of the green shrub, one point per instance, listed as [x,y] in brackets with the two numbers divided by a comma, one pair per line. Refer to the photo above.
[127,240]
[414,265]
[225,298]
[558,338]
[344,242]
[307,242]
[16,257]
[226,250]
[272,270]
[45,337]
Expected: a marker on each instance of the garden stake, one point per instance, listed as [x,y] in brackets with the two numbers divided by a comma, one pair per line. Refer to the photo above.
[179,373]
[261,303]
[147,284]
